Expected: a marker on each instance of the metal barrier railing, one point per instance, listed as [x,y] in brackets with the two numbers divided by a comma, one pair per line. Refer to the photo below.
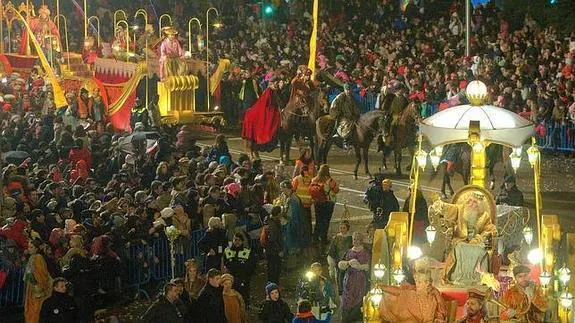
[145,262]
[12,293]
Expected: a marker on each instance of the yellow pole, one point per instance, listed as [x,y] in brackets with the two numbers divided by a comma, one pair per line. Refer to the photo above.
[98,40]
[58,12]
[190,31]
[9,26]
[160,22]
[145,14]
[28,49]
[85,19]
[127,39]
[1,28]
[414,186]
[536,184]
[57,18]
[208,53]
[313,40]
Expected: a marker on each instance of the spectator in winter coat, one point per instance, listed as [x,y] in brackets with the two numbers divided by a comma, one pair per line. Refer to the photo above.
[211,301]
[60,307]
[213,243]
[165,308]
[274,245]
[274,309]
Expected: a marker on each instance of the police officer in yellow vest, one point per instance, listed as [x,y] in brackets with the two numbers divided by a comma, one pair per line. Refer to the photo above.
[239,261]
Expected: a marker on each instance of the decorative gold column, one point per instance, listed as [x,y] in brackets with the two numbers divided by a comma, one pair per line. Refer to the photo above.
[478,156]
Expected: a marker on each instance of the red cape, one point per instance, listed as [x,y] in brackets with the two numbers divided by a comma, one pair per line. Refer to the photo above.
[262,121]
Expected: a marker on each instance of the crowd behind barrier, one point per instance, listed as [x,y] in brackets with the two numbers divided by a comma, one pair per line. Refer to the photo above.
[144,263]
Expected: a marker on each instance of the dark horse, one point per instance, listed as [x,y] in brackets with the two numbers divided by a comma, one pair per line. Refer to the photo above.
[400,135]
[298,122]
[456,159]
[367,128]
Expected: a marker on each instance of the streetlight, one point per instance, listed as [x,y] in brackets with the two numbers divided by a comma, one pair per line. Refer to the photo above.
[208,52]
[545,279]
[435,159]
[398,276]
[566,300]
[564,275]
[528,235]
[421,158]
[379,271]
[515,160]
[376,296]
[430,232]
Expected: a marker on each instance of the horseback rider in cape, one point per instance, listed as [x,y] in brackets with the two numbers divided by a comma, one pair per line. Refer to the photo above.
[346,113]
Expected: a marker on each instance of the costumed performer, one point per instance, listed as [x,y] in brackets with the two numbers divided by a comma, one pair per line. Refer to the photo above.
[171,55]
[525,299]
[263,120]
[421,302]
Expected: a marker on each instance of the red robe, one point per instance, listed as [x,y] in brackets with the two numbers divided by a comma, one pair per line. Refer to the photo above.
[36,25]
[262,122]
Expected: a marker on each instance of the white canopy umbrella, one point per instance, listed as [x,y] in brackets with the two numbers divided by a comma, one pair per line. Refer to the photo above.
[497,125]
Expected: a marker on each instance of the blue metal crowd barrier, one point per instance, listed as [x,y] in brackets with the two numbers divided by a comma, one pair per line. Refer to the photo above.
[556,138]
[12,293]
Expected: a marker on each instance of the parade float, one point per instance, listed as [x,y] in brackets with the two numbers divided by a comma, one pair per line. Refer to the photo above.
[462,258]
[116,69]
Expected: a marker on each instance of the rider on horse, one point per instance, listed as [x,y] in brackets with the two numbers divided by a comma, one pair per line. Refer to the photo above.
[346,113]
[301,87]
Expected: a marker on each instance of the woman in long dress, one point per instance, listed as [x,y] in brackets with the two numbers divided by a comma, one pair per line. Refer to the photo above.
[37,281]
[233,302]
[356,267]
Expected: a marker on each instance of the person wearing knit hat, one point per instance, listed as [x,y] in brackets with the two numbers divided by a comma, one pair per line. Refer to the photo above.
[525,300]
[274,309]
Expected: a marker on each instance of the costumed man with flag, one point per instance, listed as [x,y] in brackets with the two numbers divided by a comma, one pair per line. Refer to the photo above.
[262,121]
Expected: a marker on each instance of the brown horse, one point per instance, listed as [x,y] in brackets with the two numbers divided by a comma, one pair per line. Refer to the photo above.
[367,128]
[401,135]
[298,122]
